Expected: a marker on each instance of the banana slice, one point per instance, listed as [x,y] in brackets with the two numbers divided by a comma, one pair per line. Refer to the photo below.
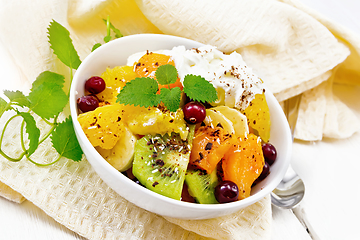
[122,154]
[214,118]
[238,119]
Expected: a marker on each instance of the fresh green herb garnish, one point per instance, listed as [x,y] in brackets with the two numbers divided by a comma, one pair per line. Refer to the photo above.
[108,37]
[61,43]
[64,141]
[114,29]
[46,100]
[171,98]
[198,89]
[143,91]
[140,92]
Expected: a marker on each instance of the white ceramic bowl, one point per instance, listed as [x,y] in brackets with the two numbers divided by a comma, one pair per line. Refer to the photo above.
[115,53]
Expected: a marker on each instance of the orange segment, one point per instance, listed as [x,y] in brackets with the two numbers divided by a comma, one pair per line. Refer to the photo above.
[209,146]
[147,65]
[243,163]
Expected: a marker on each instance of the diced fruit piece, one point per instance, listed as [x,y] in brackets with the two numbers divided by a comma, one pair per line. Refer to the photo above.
[265,172]
[108,96]
[160,163]
[269,152]
[115,79]
[201,185]
[215,118]
[118,76]
[87,103]
[258,116]
[95,85]
[103,126]
[238,119]
[122,154]
[209,146]
[147,65]
[226,191]
[153,120]
[194,112]
[243,163]
[185,195]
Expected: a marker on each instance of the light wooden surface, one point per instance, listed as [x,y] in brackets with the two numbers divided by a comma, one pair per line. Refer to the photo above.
[329,168]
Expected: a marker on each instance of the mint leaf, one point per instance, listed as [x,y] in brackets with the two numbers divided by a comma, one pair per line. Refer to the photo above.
[198,89]
[65,142]
[166,74]
[96,45]
[107,39]
[171,98]
[48,77]
[48,98]
[3,107]
[61,43]
[17,97]
[139,92]
[32,130]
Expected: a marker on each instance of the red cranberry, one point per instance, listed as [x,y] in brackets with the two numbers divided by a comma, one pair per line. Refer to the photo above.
[194,112]
[87,103]
[226,191]
[95,85]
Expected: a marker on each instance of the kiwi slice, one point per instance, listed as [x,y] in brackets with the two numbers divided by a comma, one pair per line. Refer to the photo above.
[160,162]
[202,185]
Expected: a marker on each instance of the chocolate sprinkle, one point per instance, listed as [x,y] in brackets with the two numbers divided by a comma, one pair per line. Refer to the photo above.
[208,146]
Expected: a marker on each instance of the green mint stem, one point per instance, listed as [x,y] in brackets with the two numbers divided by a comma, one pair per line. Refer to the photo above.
[44,164]
[5,126]
[108,25]
[22,136]
[1,140]
[10,158]
[48,122]
[50,131]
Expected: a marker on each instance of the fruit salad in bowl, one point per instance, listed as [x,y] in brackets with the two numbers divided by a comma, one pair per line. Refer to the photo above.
[179,128]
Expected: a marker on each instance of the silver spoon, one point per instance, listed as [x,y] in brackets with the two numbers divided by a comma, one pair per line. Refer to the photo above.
[291,189]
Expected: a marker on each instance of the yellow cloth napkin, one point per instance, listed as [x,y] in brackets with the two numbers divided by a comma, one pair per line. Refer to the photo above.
[292,51]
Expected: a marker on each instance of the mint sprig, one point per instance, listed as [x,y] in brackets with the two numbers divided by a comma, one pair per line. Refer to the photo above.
[143,91]
[46,100]
[108,37]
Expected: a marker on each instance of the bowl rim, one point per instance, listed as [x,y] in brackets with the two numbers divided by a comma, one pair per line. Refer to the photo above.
[191,206]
